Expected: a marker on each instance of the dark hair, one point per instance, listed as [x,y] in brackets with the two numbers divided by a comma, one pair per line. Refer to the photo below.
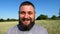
[27,3]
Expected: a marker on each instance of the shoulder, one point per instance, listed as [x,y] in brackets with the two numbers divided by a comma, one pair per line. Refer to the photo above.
[41,29]
[39,26]
[12,29]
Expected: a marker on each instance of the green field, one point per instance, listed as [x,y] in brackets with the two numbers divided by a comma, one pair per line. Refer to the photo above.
[52,26]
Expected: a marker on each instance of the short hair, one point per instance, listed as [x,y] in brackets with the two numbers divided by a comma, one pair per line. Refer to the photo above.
[27,3]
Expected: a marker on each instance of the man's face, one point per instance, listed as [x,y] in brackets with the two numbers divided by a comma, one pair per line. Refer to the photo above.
[27,14]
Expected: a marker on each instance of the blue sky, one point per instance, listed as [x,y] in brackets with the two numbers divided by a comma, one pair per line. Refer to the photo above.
[10,8]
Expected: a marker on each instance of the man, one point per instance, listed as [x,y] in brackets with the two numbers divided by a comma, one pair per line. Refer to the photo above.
[27,21]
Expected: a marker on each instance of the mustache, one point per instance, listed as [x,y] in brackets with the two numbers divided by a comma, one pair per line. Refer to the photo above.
[26,19]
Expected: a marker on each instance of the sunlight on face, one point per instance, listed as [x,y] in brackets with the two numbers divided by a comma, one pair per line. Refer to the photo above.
[27,14]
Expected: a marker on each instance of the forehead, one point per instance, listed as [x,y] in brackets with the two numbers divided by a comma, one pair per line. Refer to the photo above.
[26,8]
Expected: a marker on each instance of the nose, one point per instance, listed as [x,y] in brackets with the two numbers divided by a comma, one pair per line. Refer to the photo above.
[26,16]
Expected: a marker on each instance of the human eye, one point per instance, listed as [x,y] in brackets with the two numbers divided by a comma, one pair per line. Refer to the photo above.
[29,12]
[22,12]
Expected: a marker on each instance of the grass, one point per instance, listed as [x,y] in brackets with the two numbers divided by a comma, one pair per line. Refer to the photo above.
[4,26]
[52,26]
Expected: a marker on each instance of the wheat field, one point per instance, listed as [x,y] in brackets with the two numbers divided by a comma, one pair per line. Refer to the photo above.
[52,26]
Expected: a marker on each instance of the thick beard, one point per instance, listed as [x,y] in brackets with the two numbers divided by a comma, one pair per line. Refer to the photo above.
[23,27]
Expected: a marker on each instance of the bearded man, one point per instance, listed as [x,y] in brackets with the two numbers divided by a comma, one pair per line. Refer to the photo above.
[27,21]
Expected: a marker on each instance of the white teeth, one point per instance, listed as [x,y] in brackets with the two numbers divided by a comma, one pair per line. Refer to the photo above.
[26,20]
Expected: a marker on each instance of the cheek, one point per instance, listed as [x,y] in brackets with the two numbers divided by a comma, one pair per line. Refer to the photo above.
[21,16]
[32,17]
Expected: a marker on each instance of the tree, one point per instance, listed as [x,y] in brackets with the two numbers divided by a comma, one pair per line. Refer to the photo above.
[42,17]
[11,19]
[8,19]
[53,17]
[1,19]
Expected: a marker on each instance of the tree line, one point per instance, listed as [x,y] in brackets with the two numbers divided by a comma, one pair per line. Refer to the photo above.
[45,17]
[3,20]
[40,17]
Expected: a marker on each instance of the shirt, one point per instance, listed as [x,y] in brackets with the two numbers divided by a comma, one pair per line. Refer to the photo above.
[36,29]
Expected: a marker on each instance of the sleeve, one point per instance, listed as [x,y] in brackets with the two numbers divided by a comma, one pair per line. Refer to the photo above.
[9,32]
[43,30]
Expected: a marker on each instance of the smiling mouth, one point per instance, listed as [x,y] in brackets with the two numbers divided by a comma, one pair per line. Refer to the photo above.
[26,20]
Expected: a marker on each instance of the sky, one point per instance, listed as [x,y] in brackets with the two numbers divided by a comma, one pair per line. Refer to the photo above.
[10,8]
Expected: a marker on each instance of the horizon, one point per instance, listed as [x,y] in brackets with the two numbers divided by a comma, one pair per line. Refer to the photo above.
[10,8]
